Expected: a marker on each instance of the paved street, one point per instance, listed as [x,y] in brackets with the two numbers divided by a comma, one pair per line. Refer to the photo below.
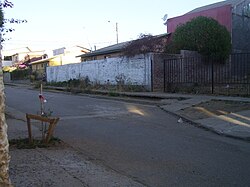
[141,142]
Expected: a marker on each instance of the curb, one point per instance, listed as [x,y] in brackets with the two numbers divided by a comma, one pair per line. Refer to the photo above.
[199,125]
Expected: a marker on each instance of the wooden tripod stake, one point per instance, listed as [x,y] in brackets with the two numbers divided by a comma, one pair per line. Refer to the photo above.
[52,121]
[52,124]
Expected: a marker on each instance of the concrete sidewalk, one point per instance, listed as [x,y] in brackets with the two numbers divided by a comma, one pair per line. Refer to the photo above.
[231,124]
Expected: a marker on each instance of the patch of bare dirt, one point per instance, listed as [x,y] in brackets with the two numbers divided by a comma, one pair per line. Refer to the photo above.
[214,108]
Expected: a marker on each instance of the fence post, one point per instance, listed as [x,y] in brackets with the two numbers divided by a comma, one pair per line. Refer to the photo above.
[152,76]
[164,75]
[212,76]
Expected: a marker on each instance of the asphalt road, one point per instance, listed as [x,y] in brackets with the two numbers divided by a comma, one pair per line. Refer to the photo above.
[141,141]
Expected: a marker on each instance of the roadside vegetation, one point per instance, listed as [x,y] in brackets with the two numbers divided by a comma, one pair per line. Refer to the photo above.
[36,143]
[84,85]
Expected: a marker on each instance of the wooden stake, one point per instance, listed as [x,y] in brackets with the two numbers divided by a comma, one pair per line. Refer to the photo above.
[52,124]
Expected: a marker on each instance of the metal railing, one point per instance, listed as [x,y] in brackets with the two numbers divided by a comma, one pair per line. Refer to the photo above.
[207,75]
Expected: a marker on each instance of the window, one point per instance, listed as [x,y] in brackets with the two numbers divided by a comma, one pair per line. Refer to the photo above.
[8,58]
[108,56]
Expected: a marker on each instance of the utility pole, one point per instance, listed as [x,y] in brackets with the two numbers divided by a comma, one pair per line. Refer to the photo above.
[116,30]
[116,26]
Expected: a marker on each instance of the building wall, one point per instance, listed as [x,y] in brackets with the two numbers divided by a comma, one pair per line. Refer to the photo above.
[135,71]
[241,27]
[7,63]
[70,58]
[55,61]
[236,20]
[39,69]
[221,14]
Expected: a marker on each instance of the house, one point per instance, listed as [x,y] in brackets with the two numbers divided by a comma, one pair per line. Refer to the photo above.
[233,14]
[61,56]
[19,56]
[145,44]
[103,53]
[12,56]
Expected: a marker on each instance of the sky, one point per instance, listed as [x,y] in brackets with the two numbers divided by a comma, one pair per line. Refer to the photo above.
[54,24]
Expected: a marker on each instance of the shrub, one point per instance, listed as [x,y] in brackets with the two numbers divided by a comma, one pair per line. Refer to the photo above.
[20,74]
[204,35]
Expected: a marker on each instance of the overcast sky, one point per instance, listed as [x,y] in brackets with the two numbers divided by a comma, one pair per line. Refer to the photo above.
[58,23]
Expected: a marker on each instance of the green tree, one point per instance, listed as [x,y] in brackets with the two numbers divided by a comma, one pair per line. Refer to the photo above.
[204,35]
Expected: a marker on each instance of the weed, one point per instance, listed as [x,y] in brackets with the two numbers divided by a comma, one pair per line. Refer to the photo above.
[84,85]
[25,144]
[113,94]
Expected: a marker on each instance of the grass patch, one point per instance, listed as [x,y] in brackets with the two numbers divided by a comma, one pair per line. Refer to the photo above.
[113,94]
[25,144]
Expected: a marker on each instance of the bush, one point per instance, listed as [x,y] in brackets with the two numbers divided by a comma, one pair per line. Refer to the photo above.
[204,35]
[144,44]
[20,74]
[82,83]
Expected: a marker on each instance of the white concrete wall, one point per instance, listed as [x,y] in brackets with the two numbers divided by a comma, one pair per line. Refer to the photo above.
[6,77]
[136,71]
[7,63]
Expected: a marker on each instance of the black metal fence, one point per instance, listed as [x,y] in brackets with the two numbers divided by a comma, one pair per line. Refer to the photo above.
[206,75]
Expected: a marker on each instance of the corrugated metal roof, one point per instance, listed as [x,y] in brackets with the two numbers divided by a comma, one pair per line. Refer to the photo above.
[106,50]
[113,48]
[216,5]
